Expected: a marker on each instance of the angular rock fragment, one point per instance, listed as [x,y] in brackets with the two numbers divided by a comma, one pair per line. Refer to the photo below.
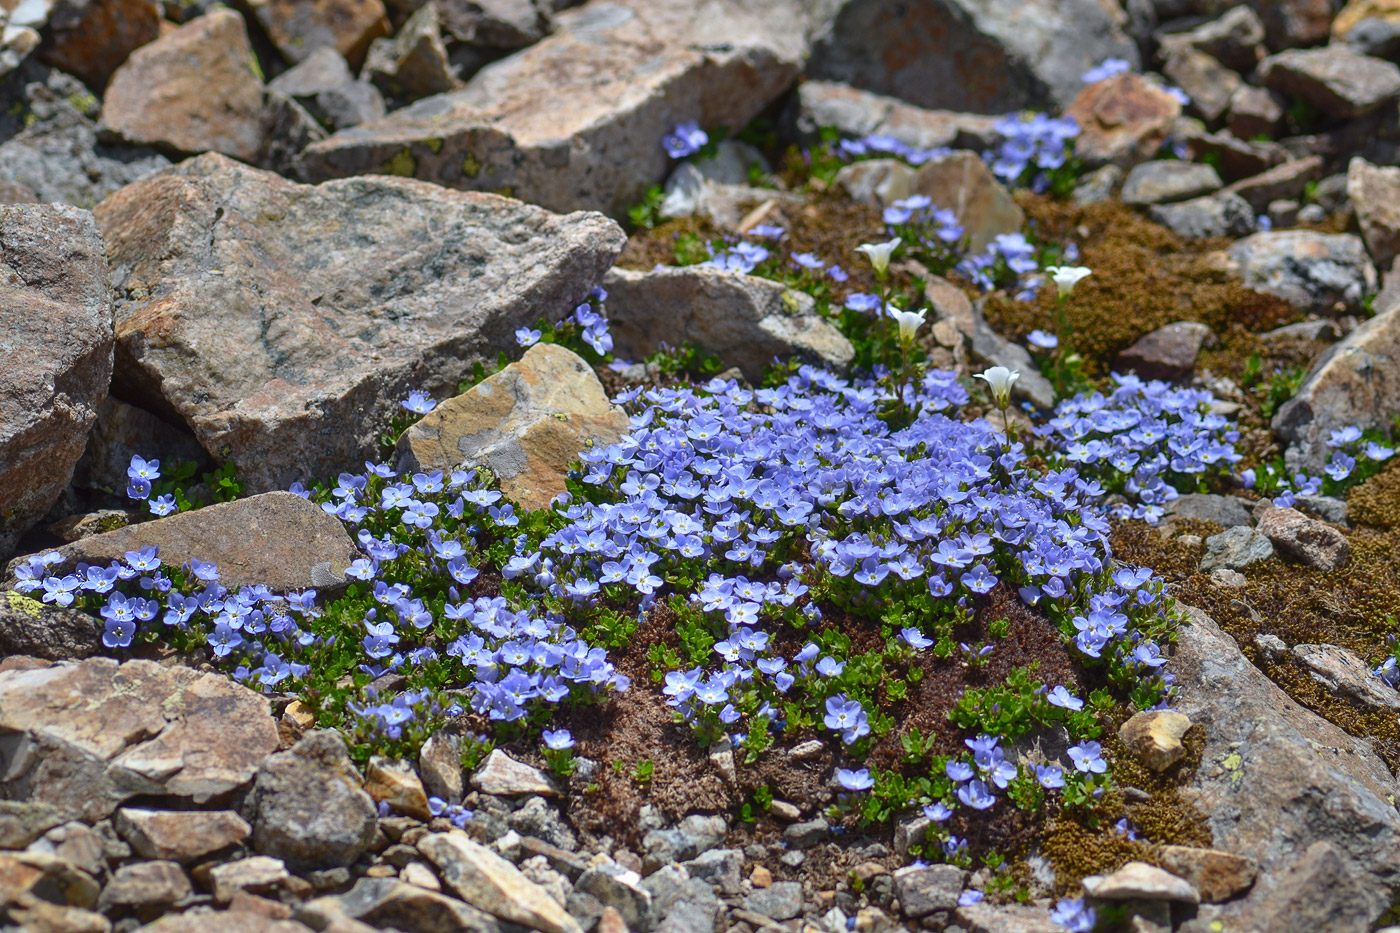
[1342,672]
[1220,214]
[962,183]
[526,423]
[1161,181]
[388,903]
[1284,786]
[1217,876]
[1310,541]
[854,112]
[1235,548]
[1356,381]
[967,55]
[283,323]
[575,121]
[1235,39]
[1289,180]
[53,154]
[311,810]
[1169,352]
[1312,271]
[300,27]
[277,539]
[1339,81]
[1374,191]
[144,730]
[1254,111]
[1123,120]
[394,783]
[488,882]
[144,888]
[503,776]
[1209,84]
[92,38]
[180,835]
[56,334]
[414,63]
[196,89]
[1141,881]
[745,320]
[1155,737]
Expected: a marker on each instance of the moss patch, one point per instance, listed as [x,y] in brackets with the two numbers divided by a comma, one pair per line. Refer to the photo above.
[1377,501]
[1144,277]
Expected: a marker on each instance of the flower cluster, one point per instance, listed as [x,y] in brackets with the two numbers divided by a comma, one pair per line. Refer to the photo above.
[884,147]
[1143,440]
[587,323]
[140,475]
[1032,147]
[1008,262]
[932,231]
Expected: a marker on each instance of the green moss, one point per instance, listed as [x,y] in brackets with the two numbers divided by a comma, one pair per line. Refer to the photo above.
[434,144]
[256,68]
[471,165]
[402,164]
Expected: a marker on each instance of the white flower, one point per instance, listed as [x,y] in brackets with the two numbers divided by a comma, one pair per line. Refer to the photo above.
[999,380]
[1066,277]
[909,322]
[879,254]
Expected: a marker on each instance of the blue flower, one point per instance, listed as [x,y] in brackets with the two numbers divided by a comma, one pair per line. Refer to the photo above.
[418,402]
[855,780]
[686,139]
[1087,758]
[1061,697]
[557,740]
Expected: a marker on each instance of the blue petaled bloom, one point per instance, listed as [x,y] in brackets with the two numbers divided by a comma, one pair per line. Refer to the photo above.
[976,795]
[847,717]
[138,487]
[1042,341]
[558,739]
[938,812]
[1061,697]
[686,139]
[418,402]
[527,337]
[164,505]
[1087,758]
[1050,776]
[855,780]
[970,897]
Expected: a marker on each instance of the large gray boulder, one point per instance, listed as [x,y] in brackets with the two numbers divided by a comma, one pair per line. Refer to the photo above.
[743,319]
[1314,272]
[283,323]
[56,339]
[576,120]
[85,737]
[982,56]
[1314,805]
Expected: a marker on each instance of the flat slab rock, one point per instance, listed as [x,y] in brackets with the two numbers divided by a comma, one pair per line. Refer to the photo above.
[526,423]
[1282,785]
[575,120]
[56,338]
[277,539]
[856,112]
[743,319]
[283,323]
[85,737]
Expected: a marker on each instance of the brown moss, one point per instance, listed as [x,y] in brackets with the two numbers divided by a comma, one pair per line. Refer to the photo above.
[1077,848]
[1377,501]
[1353,607]
[1144,277]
